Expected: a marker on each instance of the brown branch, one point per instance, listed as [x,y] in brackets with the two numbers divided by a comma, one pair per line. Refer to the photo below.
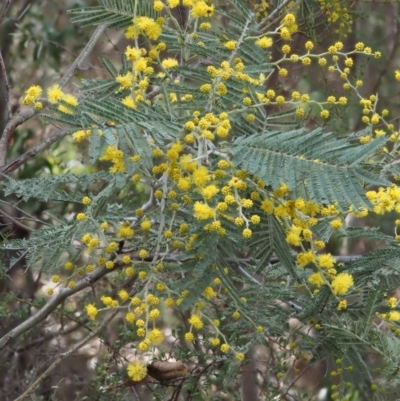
[32,387]
[16,222]
[20,160]
[52,304]
[4,11]
[22,117]
[6,86]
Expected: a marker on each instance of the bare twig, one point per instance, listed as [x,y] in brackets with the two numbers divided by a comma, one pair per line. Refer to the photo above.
[22,117]
[16,222]
[6,86]
[4,11]
[53,303]
[275,12]
[80,344]
[20,160]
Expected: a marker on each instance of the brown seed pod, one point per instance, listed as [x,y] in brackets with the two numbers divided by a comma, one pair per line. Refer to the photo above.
[166,371]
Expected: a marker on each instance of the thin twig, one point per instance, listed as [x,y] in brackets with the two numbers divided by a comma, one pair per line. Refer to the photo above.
[275,11]
[6,86]
[53,303]
[20,160]
[22,117]
[30,217]
[16,222]
[4,11]
[32,387]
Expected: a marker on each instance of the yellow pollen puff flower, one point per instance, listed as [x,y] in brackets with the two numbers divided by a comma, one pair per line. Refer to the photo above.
[146,225]
[89,268]
[86,238]
[126,259]
[209,293]
[247,233]
[289,19]
[202,211]
[210,191]
[189,336]
[305,98]
[391,302]
[359,46]
[68,266]
[123,294]
[196,322]
[326,261]
[342,305]
[309,45]
[342,283]
[324,114]
[156,336]
[86,200]
[169,63]
[130,317]
[336,223]
[306,61]
[54,93]
[144,345]
[304,258]
[246,203]
[286,49]
[255,219]
[93,243]
[132,53]
[158,5]
[316,279]
[205,26]
[296,95]
[397,75]
[331,99]
[81,216]
[143,254]
[285,33]
[91,311]
[154,314]
[231,45]
[366,138]
[264,42]
[201,9]
[224,348]
[71,284]
[283,72]
[126,81]
[111,247]
[280,100]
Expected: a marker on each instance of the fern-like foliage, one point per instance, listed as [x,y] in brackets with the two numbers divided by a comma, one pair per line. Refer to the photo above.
[314,165]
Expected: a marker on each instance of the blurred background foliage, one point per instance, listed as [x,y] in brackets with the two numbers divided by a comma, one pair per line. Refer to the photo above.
[38,44]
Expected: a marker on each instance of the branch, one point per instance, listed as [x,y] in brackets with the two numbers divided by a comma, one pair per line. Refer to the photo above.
[16,222]
[6,85]
[22,117]
[53,303]
[64,355]
[5,9]
[20,160]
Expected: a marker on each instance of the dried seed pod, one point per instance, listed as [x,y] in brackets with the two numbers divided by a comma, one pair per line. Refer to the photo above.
[166,371]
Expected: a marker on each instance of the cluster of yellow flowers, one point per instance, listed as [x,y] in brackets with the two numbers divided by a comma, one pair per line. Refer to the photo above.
[201,180]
